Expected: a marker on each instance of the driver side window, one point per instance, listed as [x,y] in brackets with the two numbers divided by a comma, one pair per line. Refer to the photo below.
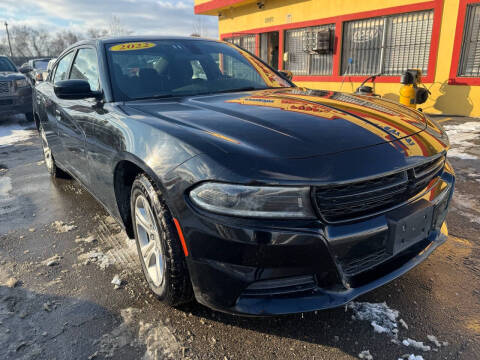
[85,67]
[61,72]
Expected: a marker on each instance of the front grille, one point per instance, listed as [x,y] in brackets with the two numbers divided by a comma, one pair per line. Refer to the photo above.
[359,199]
[4,88]
[6,101]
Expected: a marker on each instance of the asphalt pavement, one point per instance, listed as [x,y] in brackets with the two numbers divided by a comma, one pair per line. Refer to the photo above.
[60,250]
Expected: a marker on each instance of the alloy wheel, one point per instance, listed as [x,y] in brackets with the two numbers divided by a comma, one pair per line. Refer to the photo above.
[47,152]
[149,241]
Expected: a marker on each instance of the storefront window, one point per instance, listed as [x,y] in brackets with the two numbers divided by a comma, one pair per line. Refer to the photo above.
[470,56]
[387,45]
[246,42]
[302,62]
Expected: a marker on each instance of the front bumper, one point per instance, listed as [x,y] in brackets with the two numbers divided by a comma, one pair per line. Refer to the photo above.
[16,104]
[258,267]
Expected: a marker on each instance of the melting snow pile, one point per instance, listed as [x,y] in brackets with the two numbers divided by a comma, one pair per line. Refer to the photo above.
[381,317]
[158,339]
[117,282]
[365,354]
[61,227]
[466,206]
[88,240]
[462,137]
[437,343]
[98,257]
[384,321]
[416,344]
[52,261]
[14,133]
[5,188]
[411,357]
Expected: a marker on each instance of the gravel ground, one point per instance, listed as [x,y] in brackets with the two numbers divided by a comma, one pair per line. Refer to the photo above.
[59,251]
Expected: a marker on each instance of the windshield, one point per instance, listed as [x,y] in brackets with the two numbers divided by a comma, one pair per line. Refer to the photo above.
[40,64]
[166,68]
[6,65]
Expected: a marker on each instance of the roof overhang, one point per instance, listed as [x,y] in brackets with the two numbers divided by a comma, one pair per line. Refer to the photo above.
[213,7]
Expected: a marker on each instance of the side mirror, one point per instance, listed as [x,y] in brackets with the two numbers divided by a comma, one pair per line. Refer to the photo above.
[74,89]
[25,69]
[287,74]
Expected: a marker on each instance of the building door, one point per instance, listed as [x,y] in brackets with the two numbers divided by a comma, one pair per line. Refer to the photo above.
[269,48]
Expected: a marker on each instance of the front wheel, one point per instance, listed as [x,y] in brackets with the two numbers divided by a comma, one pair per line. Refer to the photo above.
[158,245]
[50,163]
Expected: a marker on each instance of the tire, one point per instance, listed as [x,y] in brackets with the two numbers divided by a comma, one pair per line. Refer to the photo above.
[158,245]
[29,117]
[50,163]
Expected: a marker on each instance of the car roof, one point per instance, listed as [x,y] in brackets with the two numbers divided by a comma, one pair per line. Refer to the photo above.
[110,40]
[117,39]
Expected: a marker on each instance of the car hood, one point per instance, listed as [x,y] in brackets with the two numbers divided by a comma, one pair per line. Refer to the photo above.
[10,75]
[289,123]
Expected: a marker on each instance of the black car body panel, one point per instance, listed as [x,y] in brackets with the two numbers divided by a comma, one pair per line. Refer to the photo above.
[286,136]
[14,99]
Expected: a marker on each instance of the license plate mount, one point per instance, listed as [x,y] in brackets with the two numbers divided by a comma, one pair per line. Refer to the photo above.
[409,225]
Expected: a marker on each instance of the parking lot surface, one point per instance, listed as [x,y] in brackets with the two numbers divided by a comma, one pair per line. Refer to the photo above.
[59,251]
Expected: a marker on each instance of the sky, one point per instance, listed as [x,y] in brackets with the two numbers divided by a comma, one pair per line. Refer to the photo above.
[152,17]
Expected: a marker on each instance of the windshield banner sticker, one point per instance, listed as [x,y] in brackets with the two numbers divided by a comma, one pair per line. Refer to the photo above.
[132,46]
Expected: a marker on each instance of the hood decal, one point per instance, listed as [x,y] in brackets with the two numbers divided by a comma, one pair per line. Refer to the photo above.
[294,123]
[376,122]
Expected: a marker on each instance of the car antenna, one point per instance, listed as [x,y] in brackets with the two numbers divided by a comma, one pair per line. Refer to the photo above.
[350,61]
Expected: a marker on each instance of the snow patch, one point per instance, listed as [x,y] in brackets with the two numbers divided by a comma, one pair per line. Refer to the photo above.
[12,282]
[5,186]
[462,137]
[158,339]
[411,357]
[52,261]
[382,318]
[434,340]
[466,206]
[89,239]
[365,354]
[98,257]
[61,227]
[11,134]
[416,344]
[117,282]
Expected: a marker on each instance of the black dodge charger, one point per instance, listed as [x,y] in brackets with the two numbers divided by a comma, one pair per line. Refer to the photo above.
[243,191]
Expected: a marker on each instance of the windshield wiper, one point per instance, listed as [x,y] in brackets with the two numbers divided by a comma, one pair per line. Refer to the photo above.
[154,97]
[247,88]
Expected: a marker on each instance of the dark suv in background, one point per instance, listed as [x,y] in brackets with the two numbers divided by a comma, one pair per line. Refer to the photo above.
[15,91]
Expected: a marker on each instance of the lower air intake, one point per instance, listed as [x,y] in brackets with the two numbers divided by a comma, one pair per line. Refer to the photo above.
[281,286]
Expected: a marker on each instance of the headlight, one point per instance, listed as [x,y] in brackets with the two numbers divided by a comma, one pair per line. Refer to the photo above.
[254,201]
[21,83]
